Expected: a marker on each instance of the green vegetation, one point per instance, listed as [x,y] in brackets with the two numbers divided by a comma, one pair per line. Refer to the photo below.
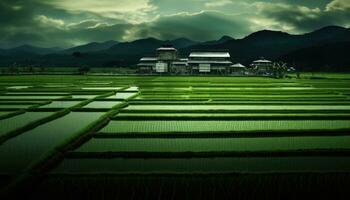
[84,96]
[14,106]
[102,104]
[61,104]
[123,95]
[154,125]
[238,107]
[20,152]
[194,126]
[197,186]
[204,165]
[215,144]
[29,97]
[13,123]
[101,88]
[3,113]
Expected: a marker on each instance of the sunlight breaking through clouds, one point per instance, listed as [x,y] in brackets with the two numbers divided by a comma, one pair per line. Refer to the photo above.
[32,21]
[100,6]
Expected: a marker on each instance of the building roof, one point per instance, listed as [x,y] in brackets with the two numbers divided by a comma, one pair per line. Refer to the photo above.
[262,61]
[166,49]
[148,59]
[238,65]
[210,62]
[146,64]
[179,63]
[210,54]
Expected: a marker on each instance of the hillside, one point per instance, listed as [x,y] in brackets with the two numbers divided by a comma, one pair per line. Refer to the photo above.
[320,49]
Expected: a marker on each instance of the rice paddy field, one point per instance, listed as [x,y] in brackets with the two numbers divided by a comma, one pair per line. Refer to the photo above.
[110,136]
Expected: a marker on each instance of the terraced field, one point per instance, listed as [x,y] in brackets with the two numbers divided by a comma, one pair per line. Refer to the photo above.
[93,130]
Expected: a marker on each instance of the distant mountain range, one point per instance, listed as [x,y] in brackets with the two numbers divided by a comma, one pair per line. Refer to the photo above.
[94,46]
[28,49]
[323,49]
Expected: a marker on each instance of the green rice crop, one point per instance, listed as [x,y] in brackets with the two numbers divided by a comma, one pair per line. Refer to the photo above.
[159,126]
[250,144]
[13,123]
[19,87]
[3,113]
[233,102]
[101,88]
[188,97]
[14,106]
[38,93]
[23,102]
[173,116]
[132,89]
[61,104]
[237,92]
[84,96]
[102,104]
[205,165]
[30,146]
[57,85]
[244,87]
[238,107]
[152,115]
[97,83]
[240,96]
[122,95]
[30,97]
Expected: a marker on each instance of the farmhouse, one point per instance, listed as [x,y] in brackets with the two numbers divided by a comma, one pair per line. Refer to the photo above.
[166,61]
[209,62]
[198,62]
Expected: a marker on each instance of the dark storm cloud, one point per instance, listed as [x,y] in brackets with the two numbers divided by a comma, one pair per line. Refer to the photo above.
[32,22]
[300,19]
[32,26]
[202,26]
[65,22]
[17,23]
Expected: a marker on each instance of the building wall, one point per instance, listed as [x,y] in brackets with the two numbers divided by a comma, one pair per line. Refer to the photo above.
[167,55]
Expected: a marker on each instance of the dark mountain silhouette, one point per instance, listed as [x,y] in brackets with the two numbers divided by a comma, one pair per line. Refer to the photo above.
[328,33]
[323,48]
[182,42]
[275,44]
[90,47]
[137,47]
[332,57]
[28,49]
[223,39]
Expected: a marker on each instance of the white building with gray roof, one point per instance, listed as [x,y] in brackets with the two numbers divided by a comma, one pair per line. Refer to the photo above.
[209,62]
[198,62]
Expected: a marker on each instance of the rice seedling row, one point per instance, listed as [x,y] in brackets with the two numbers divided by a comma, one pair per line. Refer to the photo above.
[103,104]
[229,116]
[232,102]
[203,165]
[61,104]
[199,126]
[251,144]
[238,107]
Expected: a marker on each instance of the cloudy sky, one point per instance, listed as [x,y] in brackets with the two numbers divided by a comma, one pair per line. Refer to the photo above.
[65,23]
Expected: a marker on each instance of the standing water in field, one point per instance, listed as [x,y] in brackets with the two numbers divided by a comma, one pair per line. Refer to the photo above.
[29,147]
